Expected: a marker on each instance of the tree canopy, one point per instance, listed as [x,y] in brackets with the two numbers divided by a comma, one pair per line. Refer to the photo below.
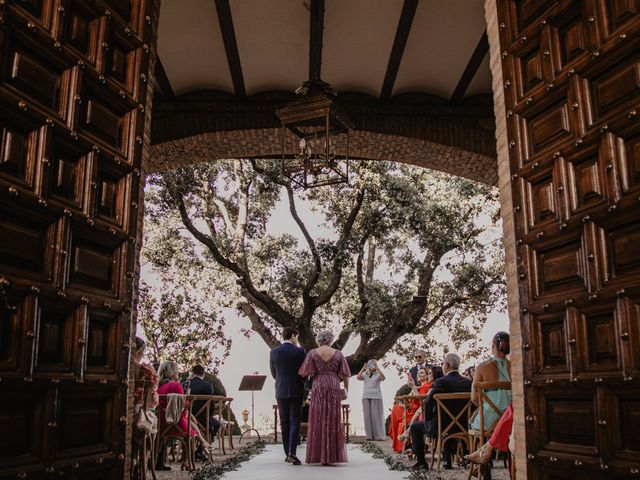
[400,251]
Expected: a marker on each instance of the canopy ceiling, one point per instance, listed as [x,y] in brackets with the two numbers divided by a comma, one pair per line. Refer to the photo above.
[416,69]
[272,42]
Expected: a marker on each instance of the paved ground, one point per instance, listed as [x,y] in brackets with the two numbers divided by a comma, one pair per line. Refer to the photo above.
[270,465]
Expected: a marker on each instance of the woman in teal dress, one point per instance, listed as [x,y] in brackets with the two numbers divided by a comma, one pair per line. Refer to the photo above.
[498,369]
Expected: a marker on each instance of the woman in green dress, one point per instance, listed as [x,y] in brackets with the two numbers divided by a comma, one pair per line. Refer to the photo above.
[497,369]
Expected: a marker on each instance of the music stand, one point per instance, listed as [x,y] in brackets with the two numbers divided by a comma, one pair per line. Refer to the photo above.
[254,383]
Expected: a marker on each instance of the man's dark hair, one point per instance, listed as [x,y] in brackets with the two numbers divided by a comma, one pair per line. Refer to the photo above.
[289,332]
[198,370]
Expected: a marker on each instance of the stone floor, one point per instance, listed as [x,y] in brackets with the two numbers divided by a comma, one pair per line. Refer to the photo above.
[270,465]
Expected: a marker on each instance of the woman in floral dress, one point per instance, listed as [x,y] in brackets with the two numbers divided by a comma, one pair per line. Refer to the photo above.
[327,366]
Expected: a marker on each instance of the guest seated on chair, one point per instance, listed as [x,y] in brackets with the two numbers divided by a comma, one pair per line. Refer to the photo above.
[432,374]
[498,369]
[145,398]
[451,382]
[396,419]
[197,385]
[169,383]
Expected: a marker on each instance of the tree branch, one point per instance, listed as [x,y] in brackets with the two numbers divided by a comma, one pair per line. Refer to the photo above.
[207,240]
[458,301]
[257,324]
[269,305]
[343,338]
[226,218]
[336,270]
[243,205]
[317,265]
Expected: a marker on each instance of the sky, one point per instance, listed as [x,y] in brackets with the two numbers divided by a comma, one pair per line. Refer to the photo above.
[251,355]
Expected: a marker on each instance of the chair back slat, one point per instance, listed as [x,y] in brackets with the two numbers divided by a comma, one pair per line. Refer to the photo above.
[441,408]
[455,420]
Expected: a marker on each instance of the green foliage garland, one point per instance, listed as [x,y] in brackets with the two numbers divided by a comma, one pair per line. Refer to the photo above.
[395,464]
[213,471]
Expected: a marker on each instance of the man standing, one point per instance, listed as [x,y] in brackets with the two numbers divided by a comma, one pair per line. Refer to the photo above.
[451,382]
[419,357]
[285,361]
[197,385]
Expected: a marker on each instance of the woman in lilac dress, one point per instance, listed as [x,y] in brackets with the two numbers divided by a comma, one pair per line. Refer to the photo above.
[327,366]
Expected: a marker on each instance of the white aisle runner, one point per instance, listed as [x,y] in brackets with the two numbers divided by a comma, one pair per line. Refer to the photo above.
[270,465]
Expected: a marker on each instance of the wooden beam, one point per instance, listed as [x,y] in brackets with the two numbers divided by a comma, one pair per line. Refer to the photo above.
[402,35]
[230,46]
[472,68]
[163,80]
[315,39]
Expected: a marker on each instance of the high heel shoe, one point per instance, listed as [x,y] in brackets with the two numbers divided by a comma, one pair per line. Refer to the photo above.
[480,456]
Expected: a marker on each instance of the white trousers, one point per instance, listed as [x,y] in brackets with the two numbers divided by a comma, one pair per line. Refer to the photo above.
[373,418]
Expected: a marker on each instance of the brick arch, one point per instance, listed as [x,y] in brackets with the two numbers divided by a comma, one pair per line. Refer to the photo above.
[265,142]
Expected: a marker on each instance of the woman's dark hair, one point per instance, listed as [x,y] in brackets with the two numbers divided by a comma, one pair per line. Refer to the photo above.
[436,372]
[501,341]
[140,345]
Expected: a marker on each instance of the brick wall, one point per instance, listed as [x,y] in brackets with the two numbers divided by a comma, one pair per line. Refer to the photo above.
[362,144]
[154,12]
[506,209]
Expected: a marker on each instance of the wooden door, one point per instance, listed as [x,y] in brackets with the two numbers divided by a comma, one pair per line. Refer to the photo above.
[572,82]
[73,77]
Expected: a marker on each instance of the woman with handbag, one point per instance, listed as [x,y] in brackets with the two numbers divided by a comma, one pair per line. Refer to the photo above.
[327,366]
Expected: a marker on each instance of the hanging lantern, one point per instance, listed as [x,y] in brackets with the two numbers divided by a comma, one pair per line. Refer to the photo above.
[317,153]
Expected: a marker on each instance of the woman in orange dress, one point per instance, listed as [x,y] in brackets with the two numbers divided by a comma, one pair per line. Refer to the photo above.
[426,377]
[397,426]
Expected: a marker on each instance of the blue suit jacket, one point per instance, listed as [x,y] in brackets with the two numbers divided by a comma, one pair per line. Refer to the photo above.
[199,386]
[285,361]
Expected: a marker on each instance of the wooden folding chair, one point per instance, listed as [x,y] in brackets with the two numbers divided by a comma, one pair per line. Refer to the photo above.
[456,420]
[203,411]
[173,431]
[346,411]
[479,437]
[145,441]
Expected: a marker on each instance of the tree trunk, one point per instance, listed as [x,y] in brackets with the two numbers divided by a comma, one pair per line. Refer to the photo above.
[371,258]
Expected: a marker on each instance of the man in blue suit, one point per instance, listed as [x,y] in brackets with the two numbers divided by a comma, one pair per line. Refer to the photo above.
[285,361]
[197,385]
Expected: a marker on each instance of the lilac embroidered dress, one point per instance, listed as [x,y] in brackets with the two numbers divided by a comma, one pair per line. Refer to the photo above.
[325,437]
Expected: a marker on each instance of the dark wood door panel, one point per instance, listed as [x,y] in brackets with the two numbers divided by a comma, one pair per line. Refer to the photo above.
[568,423]
[618,14]
[625,417]
[27,240]
[73,86]
[571,72]
[23,413]
[79,27]
[553,356]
